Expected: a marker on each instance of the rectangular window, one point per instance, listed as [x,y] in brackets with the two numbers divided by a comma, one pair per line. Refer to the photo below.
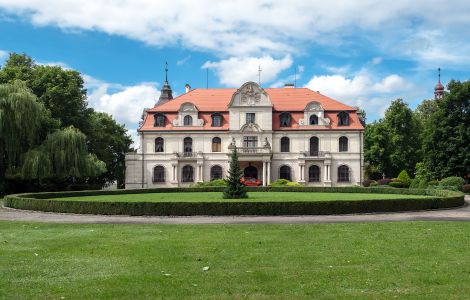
[250,118]
[250,141]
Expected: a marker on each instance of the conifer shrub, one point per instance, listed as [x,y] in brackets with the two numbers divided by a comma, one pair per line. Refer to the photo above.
[235,188]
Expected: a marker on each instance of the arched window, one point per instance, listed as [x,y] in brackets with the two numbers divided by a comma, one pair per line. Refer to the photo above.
[313,120]
[188,174]
[284,173]
[314,174]
[216,120]
[159,174]
[343,144]
[216,144]
[285,144]
[188,120]
[188,145]
[314,146]
[285,119]
[343,119]
[216,172]
[159,143]
[343,173]
[159,120]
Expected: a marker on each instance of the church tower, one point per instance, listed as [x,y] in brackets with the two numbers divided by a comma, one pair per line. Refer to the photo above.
[439,88]
[166,92]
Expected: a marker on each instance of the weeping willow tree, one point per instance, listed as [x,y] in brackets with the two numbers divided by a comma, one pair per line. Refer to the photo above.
[20,115]
[63,154]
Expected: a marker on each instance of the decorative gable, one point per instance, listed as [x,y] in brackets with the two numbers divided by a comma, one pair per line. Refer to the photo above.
[314,114]
[188,111]
[250,94]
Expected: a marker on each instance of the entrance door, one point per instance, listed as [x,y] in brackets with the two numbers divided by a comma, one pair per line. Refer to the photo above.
[313,146]
[250,172]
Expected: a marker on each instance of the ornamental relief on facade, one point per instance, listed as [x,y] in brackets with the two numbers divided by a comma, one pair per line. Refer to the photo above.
[250,95]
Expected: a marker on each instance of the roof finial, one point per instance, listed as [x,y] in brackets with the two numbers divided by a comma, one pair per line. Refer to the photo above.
[259,73]
[439,73]
[166,71]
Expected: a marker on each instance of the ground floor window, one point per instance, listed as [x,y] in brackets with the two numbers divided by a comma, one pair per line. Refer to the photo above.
[314,174]
[159,174]
[284,173]
[343,174]
[216,172]
[188,174]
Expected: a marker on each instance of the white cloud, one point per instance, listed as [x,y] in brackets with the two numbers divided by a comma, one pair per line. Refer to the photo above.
[238,70]
[245,27]
[3,55]
[124,103]
[183,61]
[362,90]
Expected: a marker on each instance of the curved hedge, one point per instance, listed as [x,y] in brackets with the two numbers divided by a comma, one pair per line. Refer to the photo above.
[45,202]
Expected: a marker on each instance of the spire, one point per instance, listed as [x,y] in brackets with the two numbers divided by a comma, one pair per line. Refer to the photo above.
[166,92]
[439,88]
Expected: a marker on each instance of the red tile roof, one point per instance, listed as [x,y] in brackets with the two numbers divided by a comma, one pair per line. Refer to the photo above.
[293,100]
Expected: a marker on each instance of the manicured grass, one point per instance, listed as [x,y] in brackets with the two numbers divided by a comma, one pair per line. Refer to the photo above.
[253,196]
[412,260]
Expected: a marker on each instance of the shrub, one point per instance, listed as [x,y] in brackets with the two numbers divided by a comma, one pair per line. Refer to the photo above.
[454,181]
[384,181]
[397,184]
[404,178]
[368,182]
[433,183]
[215,182]
[280,182]
[291,183]
[374,183]
[466,188]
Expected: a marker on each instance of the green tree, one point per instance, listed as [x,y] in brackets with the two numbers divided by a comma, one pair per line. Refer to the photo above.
[235,189]
[110,142]
[447,138]
[376,138]
[20,119]
[63,154]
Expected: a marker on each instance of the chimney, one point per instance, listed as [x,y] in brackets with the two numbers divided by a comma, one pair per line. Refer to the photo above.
[187,87]
[289,86]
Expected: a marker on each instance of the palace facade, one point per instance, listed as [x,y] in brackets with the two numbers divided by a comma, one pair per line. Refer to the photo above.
[291,133]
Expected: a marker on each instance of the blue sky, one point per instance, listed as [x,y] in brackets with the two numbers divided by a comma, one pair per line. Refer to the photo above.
[365,54]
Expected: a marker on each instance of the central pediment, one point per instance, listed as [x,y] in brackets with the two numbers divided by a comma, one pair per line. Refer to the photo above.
[250,94]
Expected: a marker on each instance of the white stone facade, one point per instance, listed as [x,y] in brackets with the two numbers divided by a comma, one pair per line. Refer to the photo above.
[262,152]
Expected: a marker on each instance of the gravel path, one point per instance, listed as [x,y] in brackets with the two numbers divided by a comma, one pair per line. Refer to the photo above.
[457,214]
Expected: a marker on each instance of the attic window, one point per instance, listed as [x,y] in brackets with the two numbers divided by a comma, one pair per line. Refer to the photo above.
[285,119]
[343,119]
[159,120]
[216,120]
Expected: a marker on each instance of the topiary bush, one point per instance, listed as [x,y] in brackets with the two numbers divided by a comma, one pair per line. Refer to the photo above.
[453,181]
[404,178]
[466,189]
[397,184]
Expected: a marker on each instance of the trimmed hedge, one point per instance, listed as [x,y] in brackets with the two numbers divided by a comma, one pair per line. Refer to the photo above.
[43,202]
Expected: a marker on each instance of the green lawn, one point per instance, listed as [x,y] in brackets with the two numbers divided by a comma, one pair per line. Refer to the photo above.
[253,196]
[412,260]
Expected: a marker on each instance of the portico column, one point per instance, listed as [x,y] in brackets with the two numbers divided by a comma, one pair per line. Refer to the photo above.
[326,173]
[269,172]
[263,178]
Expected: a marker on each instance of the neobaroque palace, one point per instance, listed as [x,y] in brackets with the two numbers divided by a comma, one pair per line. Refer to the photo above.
[290,133]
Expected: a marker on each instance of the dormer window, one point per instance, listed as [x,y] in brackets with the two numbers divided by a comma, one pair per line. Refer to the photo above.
[216,120]
[159,120]
[188,120]
[313,120]
[343,119]
[285,119]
